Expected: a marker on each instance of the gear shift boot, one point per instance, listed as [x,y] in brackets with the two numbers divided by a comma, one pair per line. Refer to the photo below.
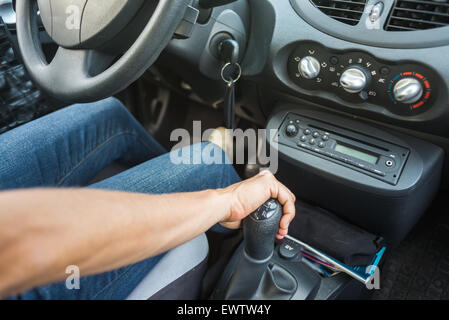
[278,284]
[257,272]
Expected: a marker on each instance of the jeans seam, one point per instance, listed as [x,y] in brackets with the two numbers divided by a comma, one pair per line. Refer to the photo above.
[124,274]
[98,147]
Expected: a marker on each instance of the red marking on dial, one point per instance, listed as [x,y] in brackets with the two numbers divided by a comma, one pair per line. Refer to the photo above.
[427,84]
[420,76]
[427,96]
[419,104]
[407,74]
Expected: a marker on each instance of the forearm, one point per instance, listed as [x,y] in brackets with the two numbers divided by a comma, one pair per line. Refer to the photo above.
[44,231]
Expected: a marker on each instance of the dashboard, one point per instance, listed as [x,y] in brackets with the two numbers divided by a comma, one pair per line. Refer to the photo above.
[379,60]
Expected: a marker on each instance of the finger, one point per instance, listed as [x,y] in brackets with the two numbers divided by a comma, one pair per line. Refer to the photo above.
[283,232]
[280,236]
[289,191]
[281,193]
[286,220]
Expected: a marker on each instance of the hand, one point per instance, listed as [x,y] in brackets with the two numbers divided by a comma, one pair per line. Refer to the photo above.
[247,196]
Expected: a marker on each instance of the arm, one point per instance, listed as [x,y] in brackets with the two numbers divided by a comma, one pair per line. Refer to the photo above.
[44,231]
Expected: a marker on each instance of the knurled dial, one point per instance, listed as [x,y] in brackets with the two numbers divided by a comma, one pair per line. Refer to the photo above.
[354,79]
[309,67]
[408,90]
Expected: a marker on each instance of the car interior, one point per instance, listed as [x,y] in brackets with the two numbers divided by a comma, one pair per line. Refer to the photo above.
[356,91]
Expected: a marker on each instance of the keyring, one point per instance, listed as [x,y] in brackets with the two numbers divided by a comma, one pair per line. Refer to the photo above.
[232,81]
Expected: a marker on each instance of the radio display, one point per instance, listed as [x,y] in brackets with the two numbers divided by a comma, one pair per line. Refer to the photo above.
[357,153]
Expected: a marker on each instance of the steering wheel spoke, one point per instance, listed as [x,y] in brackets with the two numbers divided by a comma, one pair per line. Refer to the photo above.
[67,66]
[88,74]
[74,66]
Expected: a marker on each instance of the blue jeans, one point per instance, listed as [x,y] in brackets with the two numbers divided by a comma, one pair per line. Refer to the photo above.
[69,147]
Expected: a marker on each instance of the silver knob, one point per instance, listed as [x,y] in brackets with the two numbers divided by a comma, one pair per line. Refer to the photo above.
[354,80]
[309,67]
[408,90]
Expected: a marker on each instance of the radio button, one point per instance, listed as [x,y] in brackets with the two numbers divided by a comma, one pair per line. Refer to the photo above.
[316,135]
[307,132]
[322,145]
[291,130]
[325,137]
[303,139]
[312,142]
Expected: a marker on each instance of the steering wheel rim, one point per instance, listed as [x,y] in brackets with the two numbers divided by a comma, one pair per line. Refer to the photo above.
[67,76]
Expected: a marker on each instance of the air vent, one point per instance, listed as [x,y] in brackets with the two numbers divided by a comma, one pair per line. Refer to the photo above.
[346,11]
[410,15]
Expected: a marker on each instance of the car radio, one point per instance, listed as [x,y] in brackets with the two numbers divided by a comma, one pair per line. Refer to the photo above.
[377,158]
[369,175]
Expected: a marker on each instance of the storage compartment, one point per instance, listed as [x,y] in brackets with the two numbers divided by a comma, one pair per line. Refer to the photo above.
[339,239]
[386,207]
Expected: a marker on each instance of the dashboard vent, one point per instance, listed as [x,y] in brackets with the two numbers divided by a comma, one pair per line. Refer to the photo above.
[346,11]
[410,15]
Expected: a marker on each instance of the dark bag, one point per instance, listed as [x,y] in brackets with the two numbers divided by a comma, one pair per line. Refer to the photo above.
[326,232]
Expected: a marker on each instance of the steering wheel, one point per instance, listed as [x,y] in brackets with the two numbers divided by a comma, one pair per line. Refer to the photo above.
[89,64]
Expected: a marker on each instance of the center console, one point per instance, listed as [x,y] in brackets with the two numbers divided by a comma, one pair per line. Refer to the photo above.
[378,180]
[365,188]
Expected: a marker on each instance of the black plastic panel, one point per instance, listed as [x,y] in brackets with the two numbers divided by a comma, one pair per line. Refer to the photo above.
[377,206]
[383,76]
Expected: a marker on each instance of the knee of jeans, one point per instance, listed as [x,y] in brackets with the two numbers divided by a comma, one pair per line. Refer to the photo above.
[109,108]
[213,155]
[205,153]
[113,107]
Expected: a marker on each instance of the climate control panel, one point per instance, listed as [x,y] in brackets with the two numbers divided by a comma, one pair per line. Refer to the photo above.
[404,88]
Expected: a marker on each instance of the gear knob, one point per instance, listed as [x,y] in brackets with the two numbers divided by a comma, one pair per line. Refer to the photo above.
[260,229]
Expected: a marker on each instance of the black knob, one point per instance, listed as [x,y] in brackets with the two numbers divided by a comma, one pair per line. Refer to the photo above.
[260,229]
[291,130]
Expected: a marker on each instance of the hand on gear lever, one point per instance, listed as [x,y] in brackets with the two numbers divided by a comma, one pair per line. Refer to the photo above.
[259,231]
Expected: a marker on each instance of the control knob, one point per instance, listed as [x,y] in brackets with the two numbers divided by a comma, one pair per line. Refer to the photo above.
[408,90]
[309,67]
[354,80]
[291,130]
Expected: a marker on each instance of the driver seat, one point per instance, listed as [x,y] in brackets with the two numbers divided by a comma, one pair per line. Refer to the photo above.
[178,275]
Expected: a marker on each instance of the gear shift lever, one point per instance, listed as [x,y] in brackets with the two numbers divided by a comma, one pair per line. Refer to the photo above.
[259,231]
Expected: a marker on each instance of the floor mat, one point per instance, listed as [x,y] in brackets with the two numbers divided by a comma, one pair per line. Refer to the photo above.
[419,267]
